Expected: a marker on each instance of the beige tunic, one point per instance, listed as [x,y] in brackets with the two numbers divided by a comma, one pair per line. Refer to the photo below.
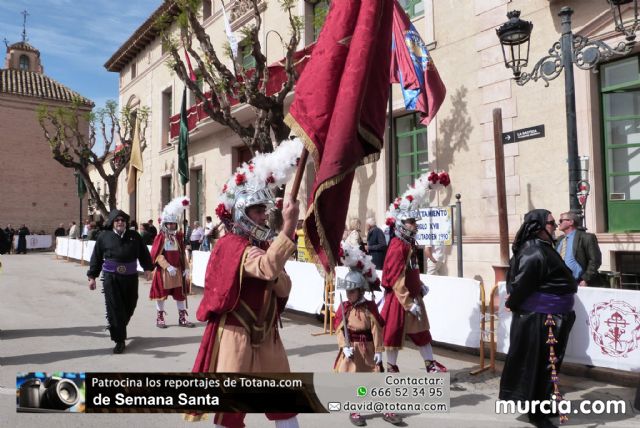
[236,353]
[360,320]
[411,323]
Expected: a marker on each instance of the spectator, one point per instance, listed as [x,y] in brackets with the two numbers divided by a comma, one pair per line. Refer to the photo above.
[134,226]
[5,245]
[579,249]
[93,231]
[376,243]
[197,236]
[60,231]
[435,258]
[354,238]
[208,230]
[10,232]
[85,229]
[152,228]
[23,232]
[73,230]
[145,234]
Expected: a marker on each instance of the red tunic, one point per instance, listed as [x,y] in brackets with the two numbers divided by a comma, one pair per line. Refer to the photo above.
[175,258]
[225,286]
[396,268]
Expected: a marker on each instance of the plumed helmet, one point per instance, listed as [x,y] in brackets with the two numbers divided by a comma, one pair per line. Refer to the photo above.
[246,198]
[172,211]
[252,185]
[362,272]
[407,206]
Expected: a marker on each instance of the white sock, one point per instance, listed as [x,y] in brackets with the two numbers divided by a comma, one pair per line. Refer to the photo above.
[426,352]
[181,305]
[160,305]
[392,356]
[288,423]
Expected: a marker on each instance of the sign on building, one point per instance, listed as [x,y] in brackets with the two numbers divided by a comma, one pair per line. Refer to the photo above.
[435,226]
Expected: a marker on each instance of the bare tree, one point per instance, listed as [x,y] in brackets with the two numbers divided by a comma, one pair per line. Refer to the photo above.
[71,134]
[236,83]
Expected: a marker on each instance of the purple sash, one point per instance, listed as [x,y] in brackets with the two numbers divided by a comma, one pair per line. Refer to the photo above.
[122,268]
[545,303]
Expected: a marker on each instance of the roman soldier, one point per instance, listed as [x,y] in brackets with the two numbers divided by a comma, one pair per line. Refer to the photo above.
[246,287]
[404,310]
[358,324]
[171,273]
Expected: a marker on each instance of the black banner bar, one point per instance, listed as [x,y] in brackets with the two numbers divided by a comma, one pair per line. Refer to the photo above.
[203,392]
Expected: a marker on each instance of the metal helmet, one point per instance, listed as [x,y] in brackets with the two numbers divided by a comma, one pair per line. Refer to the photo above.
[248,197]
[354,279]
[401,230]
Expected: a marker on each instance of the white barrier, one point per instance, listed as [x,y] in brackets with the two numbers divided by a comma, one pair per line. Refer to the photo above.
[606,332]
[35,241]
[62,246]
[199,267]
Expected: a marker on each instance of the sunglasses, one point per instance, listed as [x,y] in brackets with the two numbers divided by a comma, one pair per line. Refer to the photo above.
[552,223]
[119,219]
[563,219]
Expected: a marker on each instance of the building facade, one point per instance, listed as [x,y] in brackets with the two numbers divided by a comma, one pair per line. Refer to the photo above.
[35,189]
[463,43]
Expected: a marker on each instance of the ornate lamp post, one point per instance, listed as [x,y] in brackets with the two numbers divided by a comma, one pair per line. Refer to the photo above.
[571,49]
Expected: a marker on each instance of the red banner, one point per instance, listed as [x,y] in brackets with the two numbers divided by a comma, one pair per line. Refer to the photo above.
[339,111]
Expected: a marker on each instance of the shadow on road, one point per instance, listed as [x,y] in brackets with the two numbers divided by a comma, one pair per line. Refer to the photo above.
[94,331]
[310,350]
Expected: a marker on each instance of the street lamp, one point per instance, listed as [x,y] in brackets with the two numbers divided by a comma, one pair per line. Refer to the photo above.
[571,49]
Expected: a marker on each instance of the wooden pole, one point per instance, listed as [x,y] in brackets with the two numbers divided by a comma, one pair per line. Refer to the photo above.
[294,195]
[503,224]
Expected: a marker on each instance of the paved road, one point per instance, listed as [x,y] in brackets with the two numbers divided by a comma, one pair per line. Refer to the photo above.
[50,321]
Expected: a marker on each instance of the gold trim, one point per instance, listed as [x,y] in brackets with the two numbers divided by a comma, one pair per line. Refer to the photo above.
[199,417]
[369,137]
[248,308]
[308,143]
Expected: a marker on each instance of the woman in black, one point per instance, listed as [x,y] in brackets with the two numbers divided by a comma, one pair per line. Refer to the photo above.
[541,290]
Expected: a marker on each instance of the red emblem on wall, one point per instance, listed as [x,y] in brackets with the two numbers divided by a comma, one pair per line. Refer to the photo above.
[615,327]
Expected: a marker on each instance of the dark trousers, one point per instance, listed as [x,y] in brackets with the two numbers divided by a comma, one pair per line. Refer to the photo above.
[120,297]
[22,246]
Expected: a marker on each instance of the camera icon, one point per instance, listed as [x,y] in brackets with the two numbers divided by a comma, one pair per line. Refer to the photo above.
[53,394]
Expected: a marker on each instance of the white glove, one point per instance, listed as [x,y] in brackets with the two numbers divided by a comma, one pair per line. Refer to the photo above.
[186,273]
[172,271]
[377,358]
[425,290]
[347,351]
[415,310]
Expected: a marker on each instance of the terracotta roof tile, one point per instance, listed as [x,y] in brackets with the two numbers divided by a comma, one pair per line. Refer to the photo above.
[31,84]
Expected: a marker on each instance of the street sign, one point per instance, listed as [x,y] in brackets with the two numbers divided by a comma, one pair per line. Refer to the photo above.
[523,134]
[435,226]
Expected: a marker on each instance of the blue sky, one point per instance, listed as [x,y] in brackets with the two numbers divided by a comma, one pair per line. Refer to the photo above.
[76,37]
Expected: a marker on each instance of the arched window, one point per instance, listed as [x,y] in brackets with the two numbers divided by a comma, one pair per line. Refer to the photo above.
[24,62]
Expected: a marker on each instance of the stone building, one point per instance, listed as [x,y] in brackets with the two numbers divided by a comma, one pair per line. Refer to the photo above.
[34,188]
[463,43]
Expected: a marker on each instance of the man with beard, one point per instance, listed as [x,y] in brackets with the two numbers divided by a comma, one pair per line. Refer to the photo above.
[115,253]
[541,292]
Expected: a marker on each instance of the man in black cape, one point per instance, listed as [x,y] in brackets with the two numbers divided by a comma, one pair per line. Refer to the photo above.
[541,292]
[116,252]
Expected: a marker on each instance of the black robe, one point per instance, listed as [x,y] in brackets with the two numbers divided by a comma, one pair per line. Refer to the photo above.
[526,374]
[120,291]
[23,232]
